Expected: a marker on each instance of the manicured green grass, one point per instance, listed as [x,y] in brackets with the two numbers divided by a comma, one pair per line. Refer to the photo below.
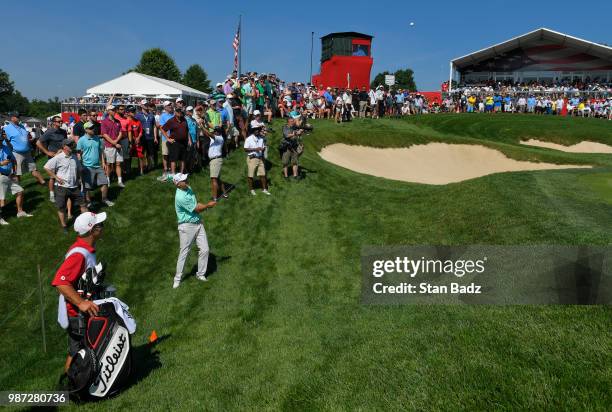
[279,325]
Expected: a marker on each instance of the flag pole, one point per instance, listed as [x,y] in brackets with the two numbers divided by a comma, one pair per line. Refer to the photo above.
[240,46]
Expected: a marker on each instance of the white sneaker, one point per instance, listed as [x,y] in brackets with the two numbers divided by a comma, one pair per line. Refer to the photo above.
[253,193]
[3,222]
[176,284]
[51,197]
[108,203]
[120,184]
[162,178]
[24,214]
[265,191]
[202,278]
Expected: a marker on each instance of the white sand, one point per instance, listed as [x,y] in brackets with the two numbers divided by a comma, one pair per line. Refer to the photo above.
[582,147]
[432,163]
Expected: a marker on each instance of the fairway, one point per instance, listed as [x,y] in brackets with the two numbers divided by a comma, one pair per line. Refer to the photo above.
[279,324]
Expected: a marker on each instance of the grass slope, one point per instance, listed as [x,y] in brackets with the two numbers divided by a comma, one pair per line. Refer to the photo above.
[279,324]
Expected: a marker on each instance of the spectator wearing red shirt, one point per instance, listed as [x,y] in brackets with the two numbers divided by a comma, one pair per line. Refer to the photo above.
[80,256]
[111,132]
[177,140]
[135,136]
[124,141]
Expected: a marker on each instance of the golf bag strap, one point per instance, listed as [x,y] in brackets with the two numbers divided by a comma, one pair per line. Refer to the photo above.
[90,261]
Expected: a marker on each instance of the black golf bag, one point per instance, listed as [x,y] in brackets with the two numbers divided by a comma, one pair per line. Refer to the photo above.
[103,362]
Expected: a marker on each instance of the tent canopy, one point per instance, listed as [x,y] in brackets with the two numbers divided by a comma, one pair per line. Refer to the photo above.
[137,83]
[540,49]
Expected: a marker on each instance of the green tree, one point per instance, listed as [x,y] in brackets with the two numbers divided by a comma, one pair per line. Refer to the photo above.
[7,88]
[43,109]
[156,62]
[196,77]
[404,79]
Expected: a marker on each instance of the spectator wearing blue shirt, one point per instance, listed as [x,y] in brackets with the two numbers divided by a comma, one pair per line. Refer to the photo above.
[531,102]
[7,181]
[167,114]
[90,151]
[18,137]
[192,126]
[147,118]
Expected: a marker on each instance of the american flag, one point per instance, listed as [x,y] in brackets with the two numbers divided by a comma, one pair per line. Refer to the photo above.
[236,46]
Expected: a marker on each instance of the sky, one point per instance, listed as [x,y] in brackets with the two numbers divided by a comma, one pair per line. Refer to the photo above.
[61,48]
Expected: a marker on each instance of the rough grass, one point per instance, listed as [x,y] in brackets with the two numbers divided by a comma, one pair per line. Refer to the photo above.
[279,324]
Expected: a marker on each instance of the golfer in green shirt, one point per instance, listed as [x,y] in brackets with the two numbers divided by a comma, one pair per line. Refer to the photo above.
[190,228]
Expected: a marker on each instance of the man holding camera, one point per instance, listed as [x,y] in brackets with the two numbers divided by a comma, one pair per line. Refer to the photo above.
[290,148]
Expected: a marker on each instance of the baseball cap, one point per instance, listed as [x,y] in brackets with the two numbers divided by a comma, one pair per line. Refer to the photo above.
[167,103]
[189,108]
[110,107]
[86,221]
[144,101]
[88,125]
[68,142]
[256,113]
[14,114]
[219,84]
[180,99]
[256,125]
[179,177]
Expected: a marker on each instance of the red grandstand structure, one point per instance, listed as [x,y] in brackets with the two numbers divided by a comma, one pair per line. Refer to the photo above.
[346,61]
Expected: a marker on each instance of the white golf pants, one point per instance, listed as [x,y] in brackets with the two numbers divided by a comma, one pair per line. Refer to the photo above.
[188,233]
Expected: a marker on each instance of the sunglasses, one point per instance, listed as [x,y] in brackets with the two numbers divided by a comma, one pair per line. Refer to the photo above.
[99,226]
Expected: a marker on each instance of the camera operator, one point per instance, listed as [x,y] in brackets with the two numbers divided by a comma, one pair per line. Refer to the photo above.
[290,148]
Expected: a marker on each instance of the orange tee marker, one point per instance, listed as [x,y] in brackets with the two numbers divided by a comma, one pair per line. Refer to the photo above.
[153,337]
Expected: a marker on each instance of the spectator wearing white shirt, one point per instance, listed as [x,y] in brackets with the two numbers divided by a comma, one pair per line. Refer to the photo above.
[64,167]
[215,156]
[254,146]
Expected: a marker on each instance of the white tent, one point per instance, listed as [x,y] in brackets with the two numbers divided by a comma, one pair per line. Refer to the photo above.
[138,83]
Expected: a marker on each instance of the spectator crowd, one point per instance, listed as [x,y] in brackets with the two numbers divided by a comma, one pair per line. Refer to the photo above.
[97,148]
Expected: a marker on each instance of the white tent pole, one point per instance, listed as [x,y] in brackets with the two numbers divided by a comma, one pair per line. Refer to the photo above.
[450,77]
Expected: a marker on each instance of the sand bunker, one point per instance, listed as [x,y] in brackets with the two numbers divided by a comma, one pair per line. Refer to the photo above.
[582,147]
[433,163]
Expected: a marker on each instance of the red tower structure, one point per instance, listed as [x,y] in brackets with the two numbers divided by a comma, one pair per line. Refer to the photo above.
[346,60]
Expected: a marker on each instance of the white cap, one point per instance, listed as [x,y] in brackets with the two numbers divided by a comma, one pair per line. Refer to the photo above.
[110,107]
[86,221]
[180,99]
[256,113]
[189,108]
[230,96]
[219,84]
[179,177]
[255,124]
[167,103]
[144,101]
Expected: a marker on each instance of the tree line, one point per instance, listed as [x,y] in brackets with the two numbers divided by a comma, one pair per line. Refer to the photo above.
[154,62]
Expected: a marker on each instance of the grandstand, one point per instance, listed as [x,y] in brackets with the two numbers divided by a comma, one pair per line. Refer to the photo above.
[541,56]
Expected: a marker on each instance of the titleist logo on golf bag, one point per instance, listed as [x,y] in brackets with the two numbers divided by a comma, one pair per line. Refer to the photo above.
[111,362]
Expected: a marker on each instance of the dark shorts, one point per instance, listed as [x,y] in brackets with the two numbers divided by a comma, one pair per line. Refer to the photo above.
[150,147]
[62,194]
[76,331]
[177,151]
[94,177]
[125,148]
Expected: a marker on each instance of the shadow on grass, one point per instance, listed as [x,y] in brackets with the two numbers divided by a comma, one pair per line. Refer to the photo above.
[213,261]
[145,359]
